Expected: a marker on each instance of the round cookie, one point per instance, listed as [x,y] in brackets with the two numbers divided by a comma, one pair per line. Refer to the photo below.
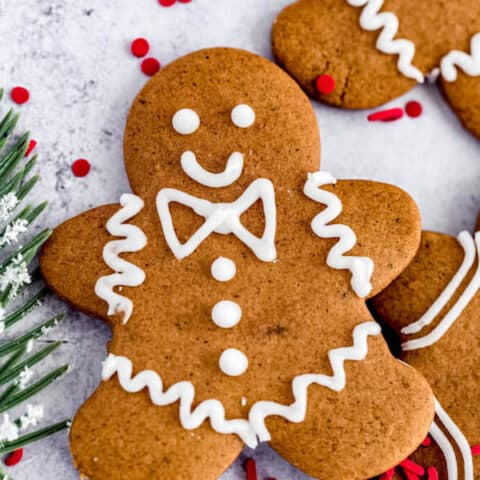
[434,307]
[307,253]
[339,38]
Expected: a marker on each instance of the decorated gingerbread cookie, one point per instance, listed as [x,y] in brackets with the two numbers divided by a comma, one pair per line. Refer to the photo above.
[434,306]
[363,53]
[237,301]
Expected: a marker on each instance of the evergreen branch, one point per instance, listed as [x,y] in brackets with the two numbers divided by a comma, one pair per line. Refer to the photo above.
[25,309]
[33,334]
[15,370]
[14,358]
[25,440]
[32,390]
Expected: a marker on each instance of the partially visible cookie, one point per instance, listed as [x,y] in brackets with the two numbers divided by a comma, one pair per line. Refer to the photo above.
[345,40]
[435,307]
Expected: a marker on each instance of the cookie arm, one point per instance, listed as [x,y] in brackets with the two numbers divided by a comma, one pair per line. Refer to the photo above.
[71,260]
[386,223]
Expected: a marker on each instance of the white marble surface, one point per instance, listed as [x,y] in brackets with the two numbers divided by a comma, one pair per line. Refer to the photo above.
[73,56]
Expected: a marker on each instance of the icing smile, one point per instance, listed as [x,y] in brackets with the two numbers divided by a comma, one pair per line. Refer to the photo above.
[196,172]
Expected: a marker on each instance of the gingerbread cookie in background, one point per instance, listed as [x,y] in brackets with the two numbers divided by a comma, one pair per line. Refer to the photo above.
[236,319]
[375,51]
[434,306]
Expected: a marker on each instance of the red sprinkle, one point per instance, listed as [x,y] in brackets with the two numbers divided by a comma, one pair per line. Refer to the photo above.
[427,442]
[20,95]
[413,467]
[140,47]
[388,475]
[166,3]
[14,458]
[32,144]
[476,450]
[432,473]
[251,469]
[414,109]
[411,475]
[150,66]
[81,167]
[325,84]
[386,115]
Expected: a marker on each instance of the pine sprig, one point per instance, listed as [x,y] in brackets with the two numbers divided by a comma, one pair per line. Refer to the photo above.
[17,355]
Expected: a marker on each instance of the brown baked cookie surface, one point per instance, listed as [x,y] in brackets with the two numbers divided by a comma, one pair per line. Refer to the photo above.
[364,412]
[447,357]
[311,38]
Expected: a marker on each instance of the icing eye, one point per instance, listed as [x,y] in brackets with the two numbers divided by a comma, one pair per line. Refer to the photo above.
[185,121]
[243,116]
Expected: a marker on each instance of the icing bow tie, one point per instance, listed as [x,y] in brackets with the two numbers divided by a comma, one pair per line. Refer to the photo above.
[222,218]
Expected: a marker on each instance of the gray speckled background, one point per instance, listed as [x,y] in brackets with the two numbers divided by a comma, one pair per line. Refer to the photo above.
[73,56]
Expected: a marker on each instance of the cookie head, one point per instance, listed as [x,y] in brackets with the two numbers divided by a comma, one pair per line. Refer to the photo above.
[225,117]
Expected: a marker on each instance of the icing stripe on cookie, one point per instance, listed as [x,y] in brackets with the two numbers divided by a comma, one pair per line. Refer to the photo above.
[447,450]
[470,64]
[126,274]
[459,438]
[372,19]
[361,268]
[470,247]
[247,430]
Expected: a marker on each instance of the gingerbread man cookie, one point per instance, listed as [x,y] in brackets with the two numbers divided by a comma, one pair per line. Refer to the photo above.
[434,306]
[237,301]
[373,51]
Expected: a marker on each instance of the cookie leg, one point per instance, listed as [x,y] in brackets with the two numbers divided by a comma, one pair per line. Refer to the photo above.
[116,435]
[463,95]
[311,38]
[382,415]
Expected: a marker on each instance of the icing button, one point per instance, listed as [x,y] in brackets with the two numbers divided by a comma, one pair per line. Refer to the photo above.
[233,362]
[223,269]
[226,314]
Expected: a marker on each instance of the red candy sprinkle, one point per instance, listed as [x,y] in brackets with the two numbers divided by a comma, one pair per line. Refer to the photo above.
[81,167]
[414,109]
[20,95]
[32,144]
[413,467]
[150,66]
[432,473]
[411,475]
[386,115]
[388,475]
[140,47]
[14,458]
[476,450]
[251,469]
[166,3]
[427,442]
[325,84]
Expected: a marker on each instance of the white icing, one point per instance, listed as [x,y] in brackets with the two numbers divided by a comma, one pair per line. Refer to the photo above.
[447,449]
[372,19]
[470,247]
[226,314]
[460,440]
[185,121]
[222,218]
[233,362]
[243,116]
[470,64]
[126,273]
[361,268]
[247,430]
[223,269]
[196,172]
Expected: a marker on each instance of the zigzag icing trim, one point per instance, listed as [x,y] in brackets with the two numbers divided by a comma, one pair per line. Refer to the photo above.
[126,274]
[247,430]
[470,64]
[360,267]
[372,19]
